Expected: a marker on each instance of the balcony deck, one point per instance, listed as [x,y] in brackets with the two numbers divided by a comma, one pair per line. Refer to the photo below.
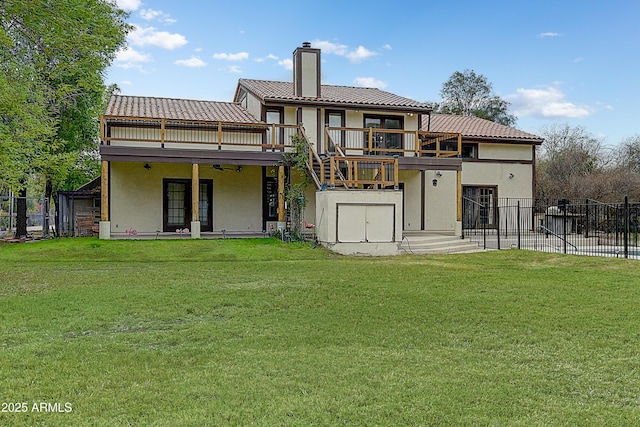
[352,157]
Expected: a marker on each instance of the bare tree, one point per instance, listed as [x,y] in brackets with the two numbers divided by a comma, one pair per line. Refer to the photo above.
[569,158]
[628,157]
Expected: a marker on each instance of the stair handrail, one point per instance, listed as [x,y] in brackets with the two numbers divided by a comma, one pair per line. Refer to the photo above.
[553,233]
[313,155]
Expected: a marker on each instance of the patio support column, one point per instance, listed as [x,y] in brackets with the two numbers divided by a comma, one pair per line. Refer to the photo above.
[459,202]
[105,223]
[195,201]
[281,213]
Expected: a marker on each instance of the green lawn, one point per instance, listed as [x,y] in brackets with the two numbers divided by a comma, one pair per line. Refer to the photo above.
[257,332]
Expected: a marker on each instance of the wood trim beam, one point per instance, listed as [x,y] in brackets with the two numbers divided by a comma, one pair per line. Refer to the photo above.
[281,176]
[195,192]
[459,195]
[104,191]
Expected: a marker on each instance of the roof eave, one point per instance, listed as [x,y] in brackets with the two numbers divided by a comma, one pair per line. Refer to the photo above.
[350,105]
[512,140]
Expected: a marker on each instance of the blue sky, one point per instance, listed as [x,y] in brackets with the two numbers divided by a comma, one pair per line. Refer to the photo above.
[574,62]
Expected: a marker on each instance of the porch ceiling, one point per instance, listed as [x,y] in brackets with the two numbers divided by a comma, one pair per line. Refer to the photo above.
[160,155]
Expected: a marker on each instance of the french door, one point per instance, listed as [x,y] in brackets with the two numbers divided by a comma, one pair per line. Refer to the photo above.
[482,210]
[384,143]
[177,204]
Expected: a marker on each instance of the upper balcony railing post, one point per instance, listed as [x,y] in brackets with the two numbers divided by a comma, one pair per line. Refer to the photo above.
[162,132]
[273,137]
[370,140]
[219,136]
[352,172]
[416,144]
[332,172]
[395,173]
[326,139]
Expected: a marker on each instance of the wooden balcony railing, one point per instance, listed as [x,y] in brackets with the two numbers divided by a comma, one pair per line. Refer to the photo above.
[169,133]
[361,172]
[388,142]
[348,167]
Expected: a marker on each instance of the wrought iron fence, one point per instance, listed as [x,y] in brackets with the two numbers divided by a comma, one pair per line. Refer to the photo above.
[570,226]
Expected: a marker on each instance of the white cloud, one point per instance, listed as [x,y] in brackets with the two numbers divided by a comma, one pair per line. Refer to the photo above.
[128,4]
[268,57]
[369,82]
[604,106]
[387,46]
[548,103]
[131,58]
[360,54]
[151,14]
[234,69]
[193,62]
[149,36]
[286,64]
[328,47]
[549,34]
[240,56]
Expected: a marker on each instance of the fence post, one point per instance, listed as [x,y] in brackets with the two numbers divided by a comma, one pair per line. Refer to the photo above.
[564,229]
[484,228]
[498,225]
[518,222]
[586,224]
[626,226]
[506,219]
[464,213]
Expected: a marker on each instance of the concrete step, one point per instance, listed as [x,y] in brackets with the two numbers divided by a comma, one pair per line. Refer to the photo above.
[435,243]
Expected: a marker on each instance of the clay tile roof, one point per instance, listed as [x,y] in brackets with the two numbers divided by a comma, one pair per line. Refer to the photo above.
[337,95]
[177,109]
[474,127]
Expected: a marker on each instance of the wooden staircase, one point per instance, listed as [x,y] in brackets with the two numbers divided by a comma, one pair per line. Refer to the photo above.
[422,242]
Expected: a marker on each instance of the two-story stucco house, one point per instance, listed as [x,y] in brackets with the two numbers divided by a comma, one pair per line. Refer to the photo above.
[380,164]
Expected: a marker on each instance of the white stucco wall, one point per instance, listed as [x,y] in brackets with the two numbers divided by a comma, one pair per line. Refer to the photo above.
[412,199]
[360,222]
[441,201]
[309,70]
[136,196]
[492,174]
[254,106]
[504,152]
[310,124]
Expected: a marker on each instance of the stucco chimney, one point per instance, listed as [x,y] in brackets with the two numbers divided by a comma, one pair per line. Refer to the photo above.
[306,71]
